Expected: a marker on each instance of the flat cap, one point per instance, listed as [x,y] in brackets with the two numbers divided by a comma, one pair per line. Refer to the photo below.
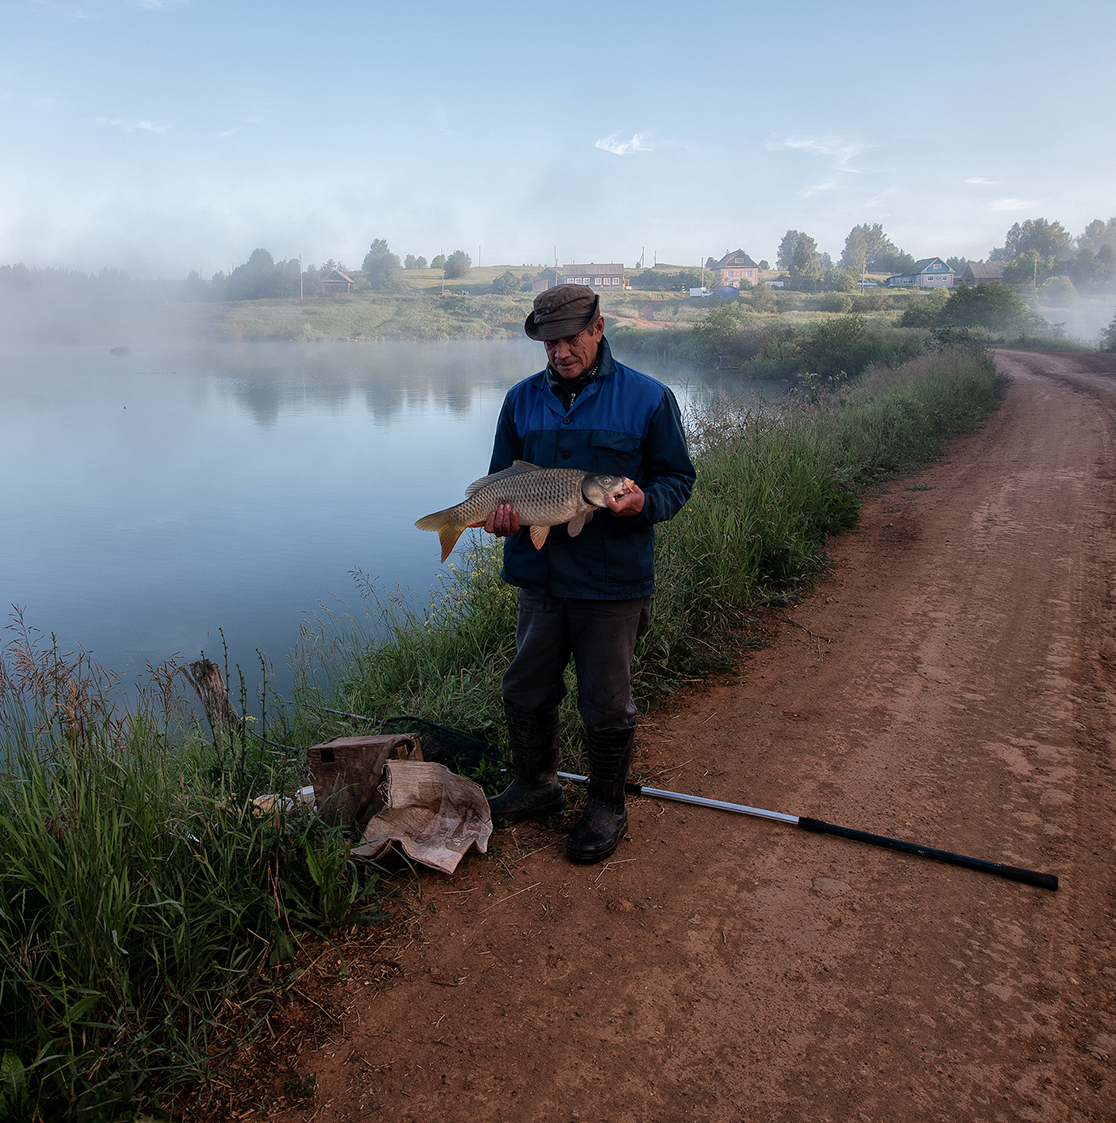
[562,311]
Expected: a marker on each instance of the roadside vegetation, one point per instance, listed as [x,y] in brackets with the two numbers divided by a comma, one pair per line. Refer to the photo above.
[150,909]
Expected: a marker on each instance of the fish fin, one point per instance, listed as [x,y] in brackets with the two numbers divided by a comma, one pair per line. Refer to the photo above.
[448,531]
[517,469]
[579,521]
[538,535]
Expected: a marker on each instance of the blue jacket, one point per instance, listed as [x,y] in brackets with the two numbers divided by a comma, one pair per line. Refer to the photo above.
[622,423]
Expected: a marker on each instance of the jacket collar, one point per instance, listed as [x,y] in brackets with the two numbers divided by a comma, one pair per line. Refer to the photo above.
[606,365]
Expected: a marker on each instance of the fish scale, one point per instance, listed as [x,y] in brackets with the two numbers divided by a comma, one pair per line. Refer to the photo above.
[542,497]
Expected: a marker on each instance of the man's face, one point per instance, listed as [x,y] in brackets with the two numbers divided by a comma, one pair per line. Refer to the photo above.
[573,355]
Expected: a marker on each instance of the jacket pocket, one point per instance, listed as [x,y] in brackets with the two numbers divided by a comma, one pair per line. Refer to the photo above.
[615,452]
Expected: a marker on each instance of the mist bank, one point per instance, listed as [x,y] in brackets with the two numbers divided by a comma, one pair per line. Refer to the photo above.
[113,310]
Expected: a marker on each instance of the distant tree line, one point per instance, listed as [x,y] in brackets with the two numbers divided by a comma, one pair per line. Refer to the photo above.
[1041,253]
[261,277]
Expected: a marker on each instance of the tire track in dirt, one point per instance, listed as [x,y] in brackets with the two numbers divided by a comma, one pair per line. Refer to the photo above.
[950,682]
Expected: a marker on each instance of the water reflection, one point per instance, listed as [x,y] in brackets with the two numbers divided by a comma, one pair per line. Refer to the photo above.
[154,498]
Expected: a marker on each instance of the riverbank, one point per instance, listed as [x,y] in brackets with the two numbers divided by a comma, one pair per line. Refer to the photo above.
[152,889]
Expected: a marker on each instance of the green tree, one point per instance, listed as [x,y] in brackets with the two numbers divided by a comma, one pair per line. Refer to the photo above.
[763,298]
[439,261]
[458,264]
[841,348]
[881,254]
[807,267]
[854,257]
[1047,239]
[382,267]
[711,262]
[784,258]
[1098,234]
[925,311]
[259,279]
[1030,269]
[996,307]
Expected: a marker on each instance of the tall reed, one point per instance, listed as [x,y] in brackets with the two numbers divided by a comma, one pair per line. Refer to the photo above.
[139,888]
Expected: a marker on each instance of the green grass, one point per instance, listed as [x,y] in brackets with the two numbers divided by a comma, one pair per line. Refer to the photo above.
[140,887]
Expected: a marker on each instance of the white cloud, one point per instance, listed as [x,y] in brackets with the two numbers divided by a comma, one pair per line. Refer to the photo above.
[979,181]
[828,185]
[613,144]
[161,5]
[842,150]
[880,197]
[130,126]
[1012,205]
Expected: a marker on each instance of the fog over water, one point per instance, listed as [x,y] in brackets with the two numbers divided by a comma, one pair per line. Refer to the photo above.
[155,497]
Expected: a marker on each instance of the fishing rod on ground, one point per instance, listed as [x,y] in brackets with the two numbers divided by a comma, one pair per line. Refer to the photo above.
[818,826]
[1012,873]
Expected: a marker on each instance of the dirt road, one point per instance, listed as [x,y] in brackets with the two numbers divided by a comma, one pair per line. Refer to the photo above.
[951,682]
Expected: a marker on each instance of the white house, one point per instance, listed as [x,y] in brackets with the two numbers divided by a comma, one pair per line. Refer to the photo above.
[609,277]
[929,273]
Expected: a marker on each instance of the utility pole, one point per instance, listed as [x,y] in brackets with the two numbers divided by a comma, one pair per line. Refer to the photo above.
[300,276]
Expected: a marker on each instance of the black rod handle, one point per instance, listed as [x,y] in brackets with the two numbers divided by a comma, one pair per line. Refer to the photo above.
[1012,873]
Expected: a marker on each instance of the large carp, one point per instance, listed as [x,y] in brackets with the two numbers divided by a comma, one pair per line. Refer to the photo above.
[542,497]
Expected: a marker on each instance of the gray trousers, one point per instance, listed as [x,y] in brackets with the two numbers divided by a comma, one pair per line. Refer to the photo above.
[600,635]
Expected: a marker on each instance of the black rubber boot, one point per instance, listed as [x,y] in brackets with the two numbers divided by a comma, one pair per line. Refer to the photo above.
[605,821]
[536,789]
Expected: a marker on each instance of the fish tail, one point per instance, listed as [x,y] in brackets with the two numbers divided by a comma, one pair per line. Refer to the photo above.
[448,531]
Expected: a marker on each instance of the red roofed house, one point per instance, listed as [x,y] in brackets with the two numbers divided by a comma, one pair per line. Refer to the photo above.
[336,281]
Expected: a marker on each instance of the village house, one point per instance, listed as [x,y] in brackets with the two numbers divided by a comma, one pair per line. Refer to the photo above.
[335,281]
[607,277]
[929,273]
[735,268]
[547,279]
[976,273]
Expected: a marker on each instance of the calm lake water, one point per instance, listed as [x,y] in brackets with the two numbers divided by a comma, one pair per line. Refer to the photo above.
[154,499]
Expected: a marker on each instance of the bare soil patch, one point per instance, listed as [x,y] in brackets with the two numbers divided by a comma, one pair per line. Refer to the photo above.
[951,682]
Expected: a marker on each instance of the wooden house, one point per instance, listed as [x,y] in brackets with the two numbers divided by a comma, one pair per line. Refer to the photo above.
[737,267]
[976,273]
[335,281]
[608,278]
[547,279]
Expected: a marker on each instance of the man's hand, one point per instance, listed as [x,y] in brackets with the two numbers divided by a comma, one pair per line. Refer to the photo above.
[627,505]
[503,521]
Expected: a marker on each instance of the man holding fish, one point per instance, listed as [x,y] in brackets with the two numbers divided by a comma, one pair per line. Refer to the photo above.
[585,592]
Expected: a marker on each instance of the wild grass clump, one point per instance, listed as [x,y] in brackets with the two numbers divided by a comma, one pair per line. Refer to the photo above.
[140,886]
[441,661]
[772,483]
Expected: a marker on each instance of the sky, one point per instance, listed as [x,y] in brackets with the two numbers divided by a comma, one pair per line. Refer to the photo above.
[164,136]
